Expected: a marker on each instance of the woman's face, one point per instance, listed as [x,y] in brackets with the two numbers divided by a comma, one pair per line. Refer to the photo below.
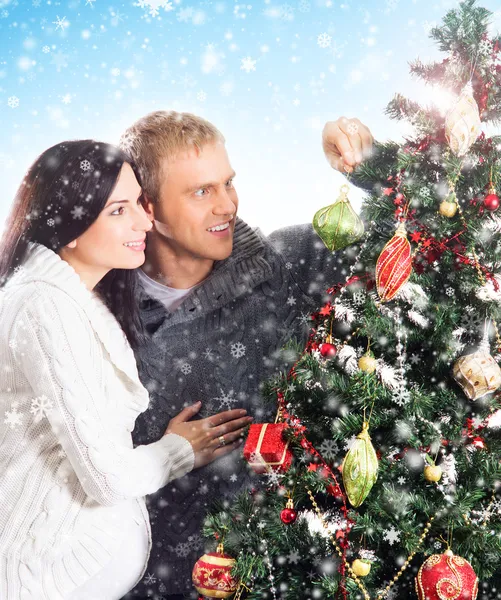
[116,239]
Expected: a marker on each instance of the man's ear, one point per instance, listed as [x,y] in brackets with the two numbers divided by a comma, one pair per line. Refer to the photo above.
[149,208]
[72,244]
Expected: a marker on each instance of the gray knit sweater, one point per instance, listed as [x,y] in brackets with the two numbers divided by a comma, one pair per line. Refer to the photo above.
[218,347]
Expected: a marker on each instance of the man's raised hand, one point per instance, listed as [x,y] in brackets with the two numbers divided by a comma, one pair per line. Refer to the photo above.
[346,143]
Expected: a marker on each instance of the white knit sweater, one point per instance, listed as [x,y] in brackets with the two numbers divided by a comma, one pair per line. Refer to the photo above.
[69,396]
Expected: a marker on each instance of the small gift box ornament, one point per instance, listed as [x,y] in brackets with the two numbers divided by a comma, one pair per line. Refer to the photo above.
[478,373]
[266,449]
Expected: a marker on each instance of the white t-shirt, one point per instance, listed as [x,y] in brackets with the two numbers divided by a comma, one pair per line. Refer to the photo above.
[171,298]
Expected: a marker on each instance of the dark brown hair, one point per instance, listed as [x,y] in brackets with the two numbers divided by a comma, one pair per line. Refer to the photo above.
[60,197]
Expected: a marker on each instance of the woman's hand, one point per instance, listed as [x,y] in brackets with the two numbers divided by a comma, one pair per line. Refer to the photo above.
[213,436]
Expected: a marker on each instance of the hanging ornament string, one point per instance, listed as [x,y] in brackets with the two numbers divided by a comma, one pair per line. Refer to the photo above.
[342,555]
[481,277]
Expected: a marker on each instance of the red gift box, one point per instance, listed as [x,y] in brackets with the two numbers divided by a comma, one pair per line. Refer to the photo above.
[266,449]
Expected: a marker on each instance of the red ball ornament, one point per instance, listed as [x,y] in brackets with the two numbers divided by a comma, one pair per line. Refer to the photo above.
[288,515]
[212,575]
[491,202]
[446,577]
[328,350]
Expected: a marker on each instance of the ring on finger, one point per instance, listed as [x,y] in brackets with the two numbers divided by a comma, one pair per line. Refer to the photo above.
[222,441]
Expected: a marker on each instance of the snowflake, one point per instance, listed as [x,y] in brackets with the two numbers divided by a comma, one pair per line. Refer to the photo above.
[391,535]
[391,4]
[450,292]
[291,388]
[352,128]
[201,96]
[437,545]
[154,6]
[40,407]
[238,350]
[471,320]
[46,49]
[288,265]
[150,579]
[291,301]
[401,480]
[13,101]
[329,449]
[349,443]
[208,354]
[324,40]
[424,192]
[485,47]
[19,270]
[226,400]
[414,359]
[60,23]
[274,477]
[294,557]
[78,212]
[12,417]
[359,298]
[85,165]
[186,368]
[304,6]
[182,549]
[51,222]
[66,99]
[401,396]
[286,12]
[90,3]
[248,64]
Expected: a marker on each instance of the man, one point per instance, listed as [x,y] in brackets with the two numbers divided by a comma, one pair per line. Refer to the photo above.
[218,300]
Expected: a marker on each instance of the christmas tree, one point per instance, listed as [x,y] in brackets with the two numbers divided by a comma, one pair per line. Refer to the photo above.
[380,478]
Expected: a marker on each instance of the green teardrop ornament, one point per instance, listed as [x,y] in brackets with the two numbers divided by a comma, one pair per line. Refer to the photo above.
[360,468]
[338,225]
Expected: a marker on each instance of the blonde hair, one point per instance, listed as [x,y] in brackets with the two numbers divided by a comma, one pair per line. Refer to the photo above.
[162,135]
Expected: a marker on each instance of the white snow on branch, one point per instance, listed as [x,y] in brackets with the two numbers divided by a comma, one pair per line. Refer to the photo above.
[488,292]
[347,356]
[344,313]
[419,319]
[387,375]
[414,295]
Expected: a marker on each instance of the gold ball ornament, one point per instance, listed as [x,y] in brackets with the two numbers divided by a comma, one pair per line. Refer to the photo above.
[367,363]
[360,567]
[448,209]
[432,473]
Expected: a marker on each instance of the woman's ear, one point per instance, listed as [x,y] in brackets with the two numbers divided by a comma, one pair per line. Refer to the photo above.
[72,244]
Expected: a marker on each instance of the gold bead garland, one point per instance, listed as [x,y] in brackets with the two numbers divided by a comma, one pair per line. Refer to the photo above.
[355,578]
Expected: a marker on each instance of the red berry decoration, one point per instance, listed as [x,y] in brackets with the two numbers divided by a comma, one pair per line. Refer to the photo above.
[288,515]
[446,577]
[328,350]
[491,202]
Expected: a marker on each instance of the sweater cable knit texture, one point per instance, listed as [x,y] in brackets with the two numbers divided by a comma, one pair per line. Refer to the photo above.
[69,398]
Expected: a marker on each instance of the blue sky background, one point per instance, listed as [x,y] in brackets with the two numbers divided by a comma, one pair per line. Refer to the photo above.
[268,74]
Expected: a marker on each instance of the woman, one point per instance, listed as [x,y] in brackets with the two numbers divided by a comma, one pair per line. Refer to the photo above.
[73,523]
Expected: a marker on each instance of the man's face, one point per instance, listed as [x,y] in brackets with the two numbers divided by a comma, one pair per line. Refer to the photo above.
[196,210]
